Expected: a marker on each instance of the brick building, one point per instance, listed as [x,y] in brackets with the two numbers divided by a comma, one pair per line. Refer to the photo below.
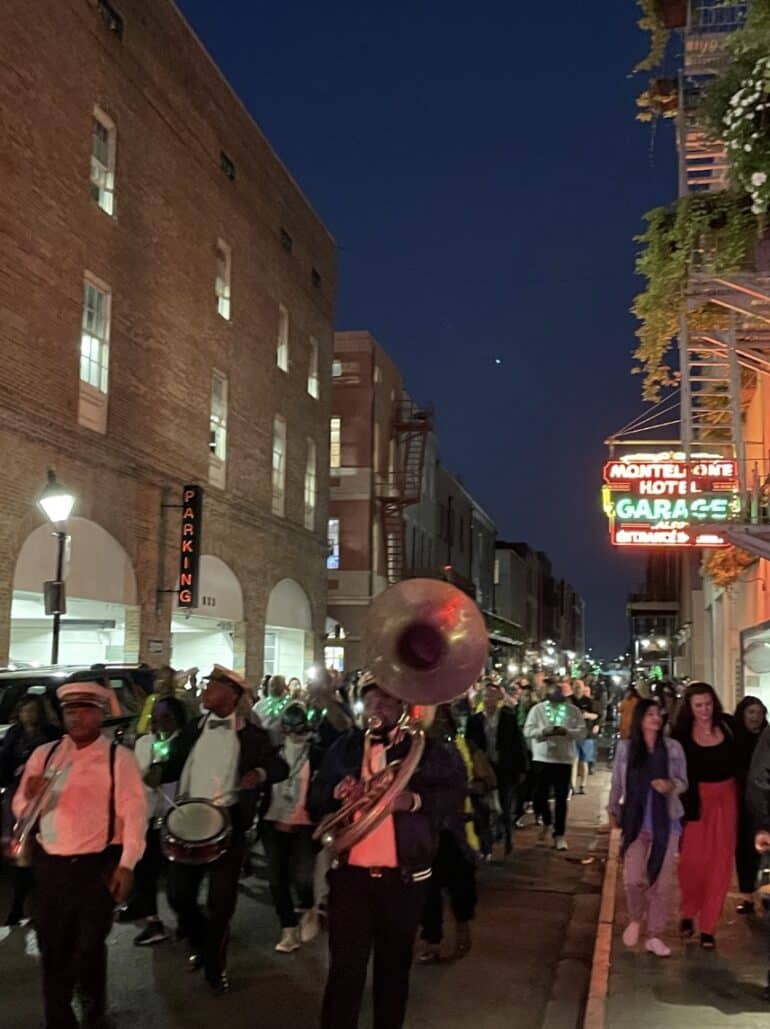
[166,311]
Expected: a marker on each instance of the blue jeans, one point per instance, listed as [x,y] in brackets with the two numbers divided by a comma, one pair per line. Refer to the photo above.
[586,750]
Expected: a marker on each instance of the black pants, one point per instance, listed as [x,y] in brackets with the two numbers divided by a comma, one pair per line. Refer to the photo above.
[290,866]
[557,778]
[524,793]
[208,932]
[746,854]
[454,872]
[147,875]
[365,914]
[23,880]
[74,917]
[506,792]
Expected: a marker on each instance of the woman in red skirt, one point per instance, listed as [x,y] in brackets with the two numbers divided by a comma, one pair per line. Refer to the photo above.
[710,811]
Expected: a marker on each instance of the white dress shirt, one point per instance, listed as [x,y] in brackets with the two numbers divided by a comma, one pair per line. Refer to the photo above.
[211,770]
[75,818]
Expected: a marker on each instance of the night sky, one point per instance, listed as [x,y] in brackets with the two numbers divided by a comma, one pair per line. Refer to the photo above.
[482,172]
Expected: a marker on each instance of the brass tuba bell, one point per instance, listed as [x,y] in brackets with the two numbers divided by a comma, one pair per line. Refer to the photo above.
[425,643]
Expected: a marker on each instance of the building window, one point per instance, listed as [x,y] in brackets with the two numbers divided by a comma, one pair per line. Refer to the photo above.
[313,379]
[103,150]
[112,19]
[218,430]
[335,443]
[378,374]
[95,337]
[497,571]
[310,485]
[226,164]
[333,537]
[336,369]
[282,344]
[279,466]
[222,282]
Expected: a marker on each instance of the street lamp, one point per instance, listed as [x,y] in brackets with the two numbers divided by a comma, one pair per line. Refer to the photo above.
[56,503]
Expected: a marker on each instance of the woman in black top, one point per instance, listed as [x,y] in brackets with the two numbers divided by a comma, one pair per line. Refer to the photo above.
[710,810]
[31,728]
[750,719]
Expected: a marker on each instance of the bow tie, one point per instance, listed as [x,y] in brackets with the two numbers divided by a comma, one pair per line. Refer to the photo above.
[218,723]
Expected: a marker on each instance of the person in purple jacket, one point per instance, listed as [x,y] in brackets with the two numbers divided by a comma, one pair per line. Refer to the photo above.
[649,775]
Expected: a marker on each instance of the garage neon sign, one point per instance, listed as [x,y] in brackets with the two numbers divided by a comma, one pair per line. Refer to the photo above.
[664,500]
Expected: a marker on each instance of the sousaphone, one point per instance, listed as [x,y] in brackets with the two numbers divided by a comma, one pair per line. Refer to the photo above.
[425,643]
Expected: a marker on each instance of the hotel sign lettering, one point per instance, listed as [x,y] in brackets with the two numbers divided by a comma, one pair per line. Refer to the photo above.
[664,500]
[189,549]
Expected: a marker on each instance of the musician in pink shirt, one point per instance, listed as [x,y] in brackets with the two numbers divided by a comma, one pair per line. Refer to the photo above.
[89,836]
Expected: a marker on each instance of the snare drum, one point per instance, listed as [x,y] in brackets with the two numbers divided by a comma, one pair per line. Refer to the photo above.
[195,832]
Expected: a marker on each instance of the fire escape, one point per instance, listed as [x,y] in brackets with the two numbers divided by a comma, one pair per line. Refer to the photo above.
[403,487]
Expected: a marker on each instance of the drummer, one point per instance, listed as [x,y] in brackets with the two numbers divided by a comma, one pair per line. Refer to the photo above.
[225,760]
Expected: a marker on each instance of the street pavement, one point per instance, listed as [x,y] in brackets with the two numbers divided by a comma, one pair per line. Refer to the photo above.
[529,965]
[693,989]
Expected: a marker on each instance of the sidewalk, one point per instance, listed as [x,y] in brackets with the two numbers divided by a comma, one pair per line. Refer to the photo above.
[693,989]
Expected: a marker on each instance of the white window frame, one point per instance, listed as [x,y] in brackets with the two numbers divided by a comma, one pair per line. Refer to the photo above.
[279,466]
[336,368]
[102,176]
[313,378]
[311,484]
[223,280]
[94,358]
[333,540]
[282,339]
[335,442]
[218,428]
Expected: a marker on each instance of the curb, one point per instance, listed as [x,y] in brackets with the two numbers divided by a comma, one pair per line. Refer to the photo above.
[595,1012]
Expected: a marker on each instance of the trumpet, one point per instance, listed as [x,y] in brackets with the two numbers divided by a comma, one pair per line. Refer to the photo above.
[425,643]
[18,849]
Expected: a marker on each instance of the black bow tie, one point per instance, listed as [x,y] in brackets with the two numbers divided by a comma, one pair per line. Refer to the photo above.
[217,723]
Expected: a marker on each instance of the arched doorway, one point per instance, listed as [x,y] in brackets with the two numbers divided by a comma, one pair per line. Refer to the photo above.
[213,632]
[288,631]
[102,619]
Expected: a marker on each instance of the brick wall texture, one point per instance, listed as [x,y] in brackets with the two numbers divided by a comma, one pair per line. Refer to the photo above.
[173,113]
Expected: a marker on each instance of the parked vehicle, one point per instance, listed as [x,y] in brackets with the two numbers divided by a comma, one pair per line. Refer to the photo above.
[129,685]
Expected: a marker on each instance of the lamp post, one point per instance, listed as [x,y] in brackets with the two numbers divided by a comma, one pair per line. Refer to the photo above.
[56,503]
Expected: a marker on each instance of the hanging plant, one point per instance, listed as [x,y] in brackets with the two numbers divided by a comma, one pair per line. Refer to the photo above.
[722,231]
[726,565]
[659,17]
[747,135]
[660,100]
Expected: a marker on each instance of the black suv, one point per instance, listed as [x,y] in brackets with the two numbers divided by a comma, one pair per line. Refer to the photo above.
[130,685]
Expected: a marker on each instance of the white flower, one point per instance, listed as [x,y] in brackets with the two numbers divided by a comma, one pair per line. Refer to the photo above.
[757,208]
[759,178]
[748,148]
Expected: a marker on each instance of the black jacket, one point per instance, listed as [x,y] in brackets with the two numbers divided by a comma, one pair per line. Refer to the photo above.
[257,751]
[439,781]
[512,756]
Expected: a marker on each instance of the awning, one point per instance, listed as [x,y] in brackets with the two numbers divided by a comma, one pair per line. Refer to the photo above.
[502,631]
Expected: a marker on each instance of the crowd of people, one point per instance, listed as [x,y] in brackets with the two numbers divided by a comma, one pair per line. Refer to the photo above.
[218,765]
[690,786]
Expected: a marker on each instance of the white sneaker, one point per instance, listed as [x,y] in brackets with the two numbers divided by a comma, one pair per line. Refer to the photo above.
[288,942]
[560,843]
[309,925]
[631,935]
[657,947]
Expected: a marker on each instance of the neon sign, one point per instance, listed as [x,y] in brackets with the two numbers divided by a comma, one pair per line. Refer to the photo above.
[189,548]
[664,500]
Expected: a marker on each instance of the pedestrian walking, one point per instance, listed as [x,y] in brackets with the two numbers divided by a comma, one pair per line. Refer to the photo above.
[90,836]
[30,728]
[287,835]
[626,711]
[710,810]
[152,751]
[495,731]
[749,722]
[553,727]
[586,747]
[454,866]
[649,775]
[269,709]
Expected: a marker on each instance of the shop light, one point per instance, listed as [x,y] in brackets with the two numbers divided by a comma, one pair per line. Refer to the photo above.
[513,669]
[645,644]
[662,642]
[55,501]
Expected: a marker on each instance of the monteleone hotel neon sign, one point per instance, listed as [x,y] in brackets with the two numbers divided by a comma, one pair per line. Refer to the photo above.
[664,500]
